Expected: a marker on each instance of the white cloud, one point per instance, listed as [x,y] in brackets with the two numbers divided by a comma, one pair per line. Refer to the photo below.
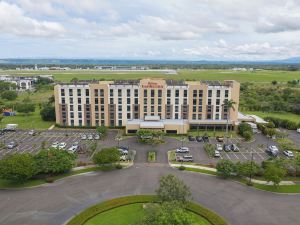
[13,21]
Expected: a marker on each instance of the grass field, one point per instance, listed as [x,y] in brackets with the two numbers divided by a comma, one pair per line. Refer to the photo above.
[280,115]
[213,74]
[130,215]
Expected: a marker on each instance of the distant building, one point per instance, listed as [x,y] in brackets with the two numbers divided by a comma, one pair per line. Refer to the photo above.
[168,105]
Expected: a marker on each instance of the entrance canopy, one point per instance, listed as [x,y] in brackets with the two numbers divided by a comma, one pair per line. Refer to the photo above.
[152,125]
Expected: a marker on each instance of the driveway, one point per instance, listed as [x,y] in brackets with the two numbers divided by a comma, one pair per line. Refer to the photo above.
[55,203]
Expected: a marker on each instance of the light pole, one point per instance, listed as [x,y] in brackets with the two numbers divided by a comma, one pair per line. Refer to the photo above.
[251,169]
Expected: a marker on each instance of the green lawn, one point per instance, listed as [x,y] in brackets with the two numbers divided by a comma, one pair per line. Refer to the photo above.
[130,215]
[280,115]
[151,156]
[279,189]
[32,121]
[186,74]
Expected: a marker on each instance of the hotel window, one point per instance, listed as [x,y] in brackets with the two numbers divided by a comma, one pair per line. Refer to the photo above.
[63,101]
[217,116]
[87,101]
[120,108]
[208,116]
[70,92]
[97,122]
[101,93]
[200,101]
[101,100]
[136,92]
[225,108]
[145,93]
[200,93]
[159,93]
[226,93]
[111,100]
[62,92]
[79,108]
[128,100]
[185,93]
[136,101]
[168,101]
[120,123]
[78,92]
[209,93]
[80,115]
[128,108]
[194,102]
[185,101]
[218,101]
[217,108]
[96,92]
[79,100]
[102,123]
[152,101]
[102,108]
[96,101]
[152,93]
[97,115]
[80,122]
[199,116]
[176,101]
[71,108]
[194,116]
[72,122]
[218,93]
[128,116]
[194,93]
[152,108]
[119,101]
[145,101]
[119,92]
[128,92]
[159,101]
[176,93]
[111,92]
[87,92]
[176,108]
[176,116]
[209,101]
[194,108]
[96,108]
[120,115]
[71,115]
[200,108]
[159,108]
[168,93]
[102,115]
[145,108]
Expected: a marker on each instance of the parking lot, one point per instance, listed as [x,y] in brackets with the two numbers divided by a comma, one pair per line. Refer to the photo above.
[44,139]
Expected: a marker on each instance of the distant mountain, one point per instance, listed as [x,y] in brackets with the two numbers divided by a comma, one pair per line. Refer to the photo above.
[21,61]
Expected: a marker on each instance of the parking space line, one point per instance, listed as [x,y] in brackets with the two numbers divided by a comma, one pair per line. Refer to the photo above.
[243,155]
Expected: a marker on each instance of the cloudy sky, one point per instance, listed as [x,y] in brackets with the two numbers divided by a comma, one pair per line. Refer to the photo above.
[150,29]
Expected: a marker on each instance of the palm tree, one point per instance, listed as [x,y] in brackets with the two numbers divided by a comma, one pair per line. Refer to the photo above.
[229,104]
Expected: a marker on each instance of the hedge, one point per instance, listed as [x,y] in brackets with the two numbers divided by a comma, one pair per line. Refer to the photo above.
[92,211]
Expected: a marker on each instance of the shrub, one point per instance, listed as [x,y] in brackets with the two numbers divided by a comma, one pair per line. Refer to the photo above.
[102,130]
[274,173]
[248,135]
[106,156]
[225,168]
[245,131]
[210,149]
[49,179]
[48,112]
[119,166]
[181,167]
[9,95]
[17,167]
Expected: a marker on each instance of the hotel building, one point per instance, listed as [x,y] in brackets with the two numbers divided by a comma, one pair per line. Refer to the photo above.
[169,105]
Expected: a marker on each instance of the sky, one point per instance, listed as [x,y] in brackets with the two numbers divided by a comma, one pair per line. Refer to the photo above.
[152,29]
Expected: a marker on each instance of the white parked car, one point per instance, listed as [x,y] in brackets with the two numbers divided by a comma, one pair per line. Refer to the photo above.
[55,144]
[217,154]
[62,145]
[90,137]
[273,150]
[219,147]
[83,137]
[123,158]
[96,136]
[288,153]
[11,145]
[182,150]
[298,130]
[73,148]
[32,132]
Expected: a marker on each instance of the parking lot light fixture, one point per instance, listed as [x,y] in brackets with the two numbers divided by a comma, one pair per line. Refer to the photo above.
[251,169]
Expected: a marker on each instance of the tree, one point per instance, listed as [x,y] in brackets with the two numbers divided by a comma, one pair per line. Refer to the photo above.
[54,161]
[274,173]
[9,95]
[102,130]
[172,189]
[167,213]
[48,112]
[106,156]
[225,168]
[274,82]
[229,105]
[17,167]
[247,168]
[25,108]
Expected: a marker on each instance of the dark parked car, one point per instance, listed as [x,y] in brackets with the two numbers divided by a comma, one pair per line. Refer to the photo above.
[234,148]
[124,148]
[227,148]
[191,138]
[199,139]
[205,139]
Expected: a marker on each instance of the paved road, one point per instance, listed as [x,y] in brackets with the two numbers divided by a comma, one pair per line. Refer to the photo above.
[55,203]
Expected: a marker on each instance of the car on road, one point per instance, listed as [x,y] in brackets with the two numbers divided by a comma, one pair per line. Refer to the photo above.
[191,138]
[217,154]
[199,139]
[83,137]
[288,153]
[182,150]
[220,139]
[90,137]
[234,148]
[11,145]
[96,136]
[273,150]
[32,132]
[123,158]
[219,147]
[227,148]
[55,144]
[62,145]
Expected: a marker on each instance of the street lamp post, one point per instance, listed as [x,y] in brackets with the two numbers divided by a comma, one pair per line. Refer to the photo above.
[251,168]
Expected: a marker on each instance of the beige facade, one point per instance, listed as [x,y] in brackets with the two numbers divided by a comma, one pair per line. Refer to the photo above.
[168,105]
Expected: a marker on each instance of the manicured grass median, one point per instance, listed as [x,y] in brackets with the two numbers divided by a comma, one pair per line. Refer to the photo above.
[36,182]
[115,209]
[151,156]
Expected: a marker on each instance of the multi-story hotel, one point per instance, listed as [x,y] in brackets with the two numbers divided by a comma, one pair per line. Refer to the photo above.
[169,105]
